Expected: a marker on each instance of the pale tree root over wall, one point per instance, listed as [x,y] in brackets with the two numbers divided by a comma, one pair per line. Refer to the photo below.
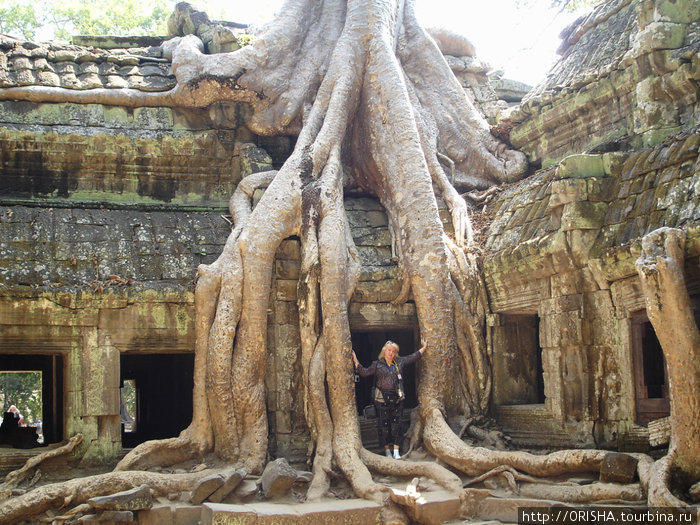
[373,101]
[661,268]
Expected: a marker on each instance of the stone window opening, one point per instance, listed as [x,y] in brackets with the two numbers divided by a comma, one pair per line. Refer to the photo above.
[48,421]
[161,404]
[128,397]
[518,371]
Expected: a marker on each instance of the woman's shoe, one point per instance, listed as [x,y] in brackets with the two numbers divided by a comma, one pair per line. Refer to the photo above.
[387,452]
[396,454]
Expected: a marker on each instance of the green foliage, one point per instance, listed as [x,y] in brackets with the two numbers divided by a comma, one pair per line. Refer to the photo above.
[19,18]
[78,17]
[22,389]
[244,39]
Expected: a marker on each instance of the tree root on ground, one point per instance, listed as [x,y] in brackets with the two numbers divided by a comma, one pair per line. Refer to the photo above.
[375,107]
[14,478]
[79,490]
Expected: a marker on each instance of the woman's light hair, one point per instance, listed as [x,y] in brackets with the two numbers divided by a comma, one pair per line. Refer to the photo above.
[387,345]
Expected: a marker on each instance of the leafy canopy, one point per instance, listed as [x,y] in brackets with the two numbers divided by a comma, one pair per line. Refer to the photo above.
[47,19]
[22,389]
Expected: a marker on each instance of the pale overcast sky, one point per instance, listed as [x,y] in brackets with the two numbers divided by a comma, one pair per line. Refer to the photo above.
[522,42]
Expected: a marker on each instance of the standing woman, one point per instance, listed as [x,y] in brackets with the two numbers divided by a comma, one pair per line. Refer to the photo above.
[389,393]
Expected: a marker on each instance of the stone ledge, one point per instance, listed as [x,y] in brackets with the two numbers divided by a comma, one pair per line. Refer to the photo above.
[337,512]
[118,42]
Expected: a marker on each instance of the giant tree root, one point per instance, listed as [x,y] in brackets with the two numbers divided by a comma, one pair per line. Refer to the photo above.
[79,490]
[594,492]
[14,478]
[474,461]
[659,493]
[661,269]
[429,469]
[375,107]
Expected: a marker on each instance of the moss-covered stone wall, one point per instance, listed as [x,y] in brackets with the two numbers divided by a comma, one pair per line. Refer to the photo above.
[93,283]
[114,154]
[562,247]
[628,78]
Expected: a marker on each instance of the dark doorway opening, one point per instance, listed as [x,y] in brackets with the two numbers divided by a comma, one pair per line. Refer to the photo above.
[650,378]
[157,388]
[367,346]
[50,424]
[518,373]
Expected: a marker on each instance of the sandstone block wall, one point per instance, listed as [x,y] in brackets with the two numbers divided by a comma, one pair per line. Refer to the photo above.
[628,78]
[144,155]
[562,247]
[82,67]
[91,283]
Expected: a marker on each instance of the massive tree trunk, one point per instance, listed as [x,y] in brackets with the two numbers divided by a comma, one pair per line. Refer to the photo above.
[372,99]
[379,101]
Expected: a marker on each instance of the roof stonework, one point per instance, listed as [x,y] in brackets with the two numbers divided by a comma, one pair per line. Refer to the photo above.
[69,66]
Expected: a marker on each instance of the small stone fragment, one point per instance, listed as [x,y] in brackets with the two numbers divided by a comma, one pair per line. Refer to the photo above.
[117,516]
[247,490]
[231,480]
[89,519]
[206,487]
[618,468]
[277,478]
[304,477]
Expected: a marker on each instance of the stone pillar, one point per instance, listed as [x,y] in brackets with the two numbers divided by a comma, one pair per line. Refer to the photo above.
[564,350]
[100,379]
[285,395]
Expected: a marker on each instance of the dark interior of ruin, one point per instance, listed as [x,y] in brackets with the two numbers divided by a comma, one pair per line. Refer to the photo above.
[367,346]
[163,384]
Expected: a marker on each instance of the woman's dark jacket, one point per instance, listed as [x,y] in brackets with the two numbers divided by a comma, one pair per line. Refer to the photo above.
[387,378]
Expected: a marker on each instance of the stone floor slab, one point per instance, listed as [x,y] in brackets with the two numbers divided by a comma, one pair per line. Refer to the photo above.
[337,512]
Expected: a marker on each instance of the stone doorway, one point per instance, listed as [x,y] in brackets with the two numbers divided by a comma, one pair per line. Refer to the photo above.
[650,378]
[158,390]
[367,345]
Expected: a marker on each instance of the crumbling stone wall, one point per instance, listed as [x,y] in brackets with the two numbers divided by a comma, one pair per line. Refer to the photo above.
[82,247]
[147,155]
[628,78]
[563,243]
[562,246]
[92,283]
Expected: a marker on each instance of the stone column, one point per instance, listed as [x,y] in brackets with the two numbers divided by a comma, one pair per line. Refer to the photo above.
[100,378]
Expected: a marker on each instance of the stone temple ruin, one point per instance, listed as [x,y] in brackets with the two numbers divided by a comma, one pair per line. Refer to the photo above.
[106,212]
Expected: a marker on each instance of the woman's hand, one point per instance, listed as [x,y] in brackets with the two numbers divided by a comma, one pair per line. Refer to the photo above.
[423,347]
[354,359]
